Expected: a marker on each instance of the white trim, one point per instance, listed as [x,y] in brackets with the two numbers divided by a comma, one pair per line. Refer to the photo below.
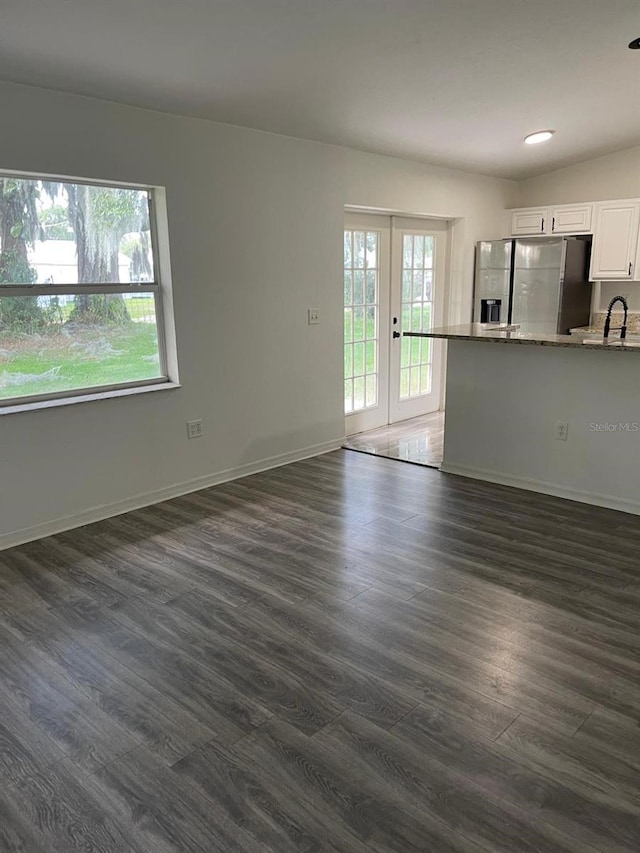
[69,179]
[392,211]
[98,513]
[17,289]
[162,260]
[543,487]
[160,384]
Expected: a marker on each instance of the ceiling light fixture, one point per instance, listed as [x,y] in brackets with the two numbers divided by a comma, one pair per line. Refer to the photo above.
[538,136]
[635,44]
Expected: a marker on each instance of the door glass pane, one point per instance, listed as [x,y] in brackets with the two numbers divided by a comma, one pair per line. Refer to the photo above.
[348,284]
[358,359]
[371,357]
[406,285]
[348,368]
[359,243]
[418,259]
[361,276]
[348,324]
[372,390]
[372,285]
[358,288]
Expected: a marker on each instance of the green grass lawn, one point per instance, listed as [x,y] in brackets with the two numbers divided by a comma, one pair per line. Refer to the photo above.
[70,357]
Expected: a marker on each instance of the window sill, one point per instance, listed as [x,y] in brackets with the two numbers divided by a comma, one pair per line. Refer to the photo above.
[87,398]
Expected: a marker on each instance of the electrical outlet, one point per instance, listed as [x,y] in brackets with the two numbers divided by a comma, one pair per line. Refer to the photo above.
[562,431]
[314,316]
[194,428]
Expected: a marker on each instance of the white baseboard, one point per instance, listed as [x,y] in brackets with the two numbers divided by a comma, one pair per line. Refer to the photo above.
[98,513]
[545,488]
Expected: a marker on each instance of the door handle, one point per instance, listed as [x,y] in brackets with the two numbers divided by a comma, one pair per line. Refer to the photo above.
[396,334]
[630,267]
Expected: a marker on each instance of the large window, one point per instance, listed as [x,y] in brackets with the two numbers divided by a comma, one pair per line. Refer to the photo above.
[80,301]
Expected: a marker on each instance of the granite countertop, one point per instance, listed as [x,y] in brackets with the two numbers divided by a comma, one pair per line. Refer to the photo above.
[598,331]
[512,335]
[597,325]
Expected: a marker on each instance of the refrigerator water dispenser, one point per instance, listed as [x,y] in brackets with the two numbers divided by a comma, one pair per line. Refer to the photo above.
[490,310]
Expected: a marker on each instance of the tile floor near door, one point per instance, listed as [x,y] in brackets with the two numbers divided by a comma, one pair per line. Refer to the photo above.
[343,655]
[418,440]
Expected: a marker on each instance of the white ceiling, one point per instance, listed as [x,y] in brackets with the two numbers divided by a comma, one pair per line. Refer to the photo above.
[455,82]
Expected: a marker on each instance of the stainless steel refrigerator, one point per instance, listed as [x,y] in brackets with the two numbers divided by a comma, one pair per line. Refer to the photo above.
[541,284]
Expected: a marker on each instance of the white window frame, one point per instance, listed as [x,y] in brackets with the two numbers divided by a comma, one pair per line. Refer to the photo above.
[160,287]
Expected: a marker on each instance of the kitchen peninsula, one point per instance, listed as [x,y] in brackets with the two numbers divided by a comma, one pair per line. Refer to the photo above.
[507,391]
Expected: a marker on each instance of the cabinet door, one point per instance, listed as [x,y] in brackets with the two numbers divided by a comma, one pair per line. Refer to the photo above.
[531,220]
[571,219]
[615,240]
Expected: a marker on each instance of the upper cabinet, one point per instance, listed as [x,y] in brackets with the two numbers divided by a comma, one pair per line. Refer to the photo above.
[615,242]
[562,219]
[571,219]
[529,220]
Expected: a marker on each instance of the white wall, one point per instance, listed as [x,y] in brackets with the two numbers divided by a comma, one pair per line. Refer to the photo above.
[503,401]
[255,224]
[610,177]
[629,289]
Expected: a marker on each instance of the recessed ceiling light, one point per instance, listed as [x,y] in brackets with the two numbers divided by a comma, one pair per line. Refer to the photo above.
[635,44]
[539,136]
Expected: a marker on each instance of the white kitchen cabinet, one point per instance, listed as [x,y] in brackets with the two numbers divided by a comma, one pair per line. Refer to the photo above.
[570,219]
[529,220]
[615,241]
[561,219]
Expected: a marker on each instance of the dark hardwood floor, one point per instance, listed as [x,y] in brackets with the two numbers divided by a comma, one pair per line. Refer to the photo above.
[342,655]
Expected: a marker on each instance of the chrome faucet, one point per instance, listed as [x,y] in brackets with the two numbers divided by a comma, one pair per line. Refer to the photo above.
[607,322]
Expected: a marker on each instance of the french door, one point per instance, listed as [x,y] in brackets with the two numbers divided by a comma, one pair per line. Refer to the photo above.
[393,282]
